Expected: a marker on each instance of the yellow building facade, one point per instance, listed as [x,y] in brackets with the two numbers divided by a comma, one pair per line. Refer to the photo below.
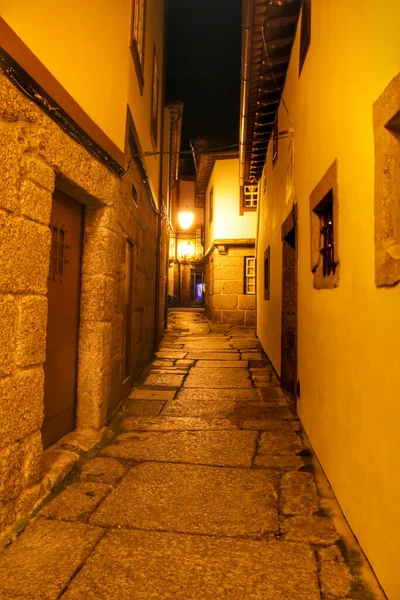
[230,233]
[336,157]
[84,225]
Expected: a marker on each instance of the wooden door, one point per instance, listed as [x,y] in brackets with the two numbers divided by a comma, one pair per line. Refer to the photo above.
[63,318]
[289,305]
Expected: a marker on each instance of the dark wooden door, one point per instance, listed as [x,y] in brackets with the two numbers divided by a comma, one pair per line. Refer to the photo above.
[63,318]
[289,305]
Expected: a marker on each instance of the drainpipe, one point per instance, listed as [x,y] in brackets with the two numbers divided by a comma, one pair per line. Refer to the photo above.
[161,212]
[248,9]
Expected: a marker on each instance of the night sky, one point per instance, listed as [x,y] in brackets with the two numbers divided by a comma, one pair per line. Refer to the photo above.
[203,66]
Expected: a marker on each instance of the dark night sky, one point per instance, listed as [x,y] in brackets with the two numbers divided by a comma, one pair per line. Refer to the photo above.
[203,66]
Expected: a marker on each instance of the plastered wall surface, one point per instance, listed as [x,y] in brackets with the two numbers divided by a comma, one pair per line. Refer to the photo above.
[227,222]
[349,359]
[87,49]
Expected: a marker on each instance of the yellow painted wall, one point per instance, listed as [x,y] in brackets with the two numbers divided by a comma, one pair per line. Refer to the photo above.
[85,45]
[349,353]
[227,221]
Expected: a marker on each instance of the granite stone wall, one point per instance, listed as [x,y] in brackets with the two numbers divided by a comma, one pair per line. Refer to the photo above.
[36,157]
[226,301]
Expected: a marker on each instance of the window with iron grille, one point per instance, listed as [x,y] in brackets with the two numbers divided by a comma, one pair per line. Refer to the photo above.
[275,143]
[325,212]
[250,275]
[267,271]
[154,100]
[250,195]
[324,230]
[211,205]
[138,38]
[134,195]
[305,32]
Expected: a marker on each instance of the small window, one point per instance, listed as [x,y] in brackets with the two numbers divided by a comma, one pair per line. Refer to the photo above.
[324,231]
[250,196]
[267,272]
[134,196]
[275,143]
[154,100]
[324,210]
[211,205]
[305,32]
[250,275]
[138,38]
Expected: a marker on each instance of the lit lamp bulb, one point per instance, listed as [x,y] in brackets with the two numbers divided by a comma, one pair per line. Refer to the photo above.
[185,219]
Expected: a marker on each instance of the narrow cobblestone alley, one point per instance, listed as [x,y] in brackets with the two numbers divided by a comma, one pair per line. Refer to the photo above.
[204,487]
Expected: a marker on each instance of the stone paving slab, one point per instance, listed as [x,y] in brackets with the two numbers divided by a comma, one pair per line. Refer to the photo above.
[102,470]
[152,395]
[271,393]
[174,424]
[207,407]
[214,355]
[218,378]
[221,448]
[139,565]
[150,408]
[263,424]
[222,364]
[193,499]
[309,529]
[208,403]
[164,380]
[170,354]
[40,563]
[298,494]
[279,442]
[281,463]
[76,502]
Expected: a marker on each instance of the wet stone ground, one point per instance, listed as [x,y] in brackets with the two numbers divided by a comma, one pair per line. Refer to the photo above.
[205,487]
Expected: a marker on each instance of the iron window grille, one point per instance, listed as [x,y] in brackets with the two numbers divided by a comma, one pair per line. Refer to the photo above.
[154,100]
[135,195]
[267,256]
[275,143]
[211,206]
[327,244]
[250,275]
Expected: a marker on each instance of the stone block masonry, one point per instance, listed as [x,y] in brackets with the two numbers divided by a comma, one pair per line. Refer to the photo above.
[37,157]
[226,300]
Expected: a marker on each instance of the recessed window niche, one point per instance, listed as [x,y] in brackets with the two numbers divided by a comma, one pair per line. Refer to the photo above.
[324,214]
[386,119]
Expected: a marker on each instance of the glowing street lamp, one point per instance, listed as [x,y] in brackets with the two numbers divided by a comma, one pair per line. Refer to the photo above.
[185,219]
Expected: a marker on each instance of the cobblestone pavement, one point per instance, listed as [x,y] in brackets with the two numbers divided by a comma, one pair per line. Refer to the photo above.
[205,487]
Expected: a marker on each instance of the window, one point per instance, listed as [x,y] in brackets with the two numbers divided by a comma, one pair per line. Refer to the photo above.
[250,196]
[250,274]
[267,272]
[154,100]
[137,38]
[305,32]
[325,231]
[386,122]
[324,210]
[134,195]
[275,142]
[211,205]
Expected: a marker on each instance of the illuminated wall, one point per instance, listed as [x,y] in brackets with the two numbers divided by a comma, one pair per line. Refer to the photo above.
[227,223]
[85,45]
[348,337]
